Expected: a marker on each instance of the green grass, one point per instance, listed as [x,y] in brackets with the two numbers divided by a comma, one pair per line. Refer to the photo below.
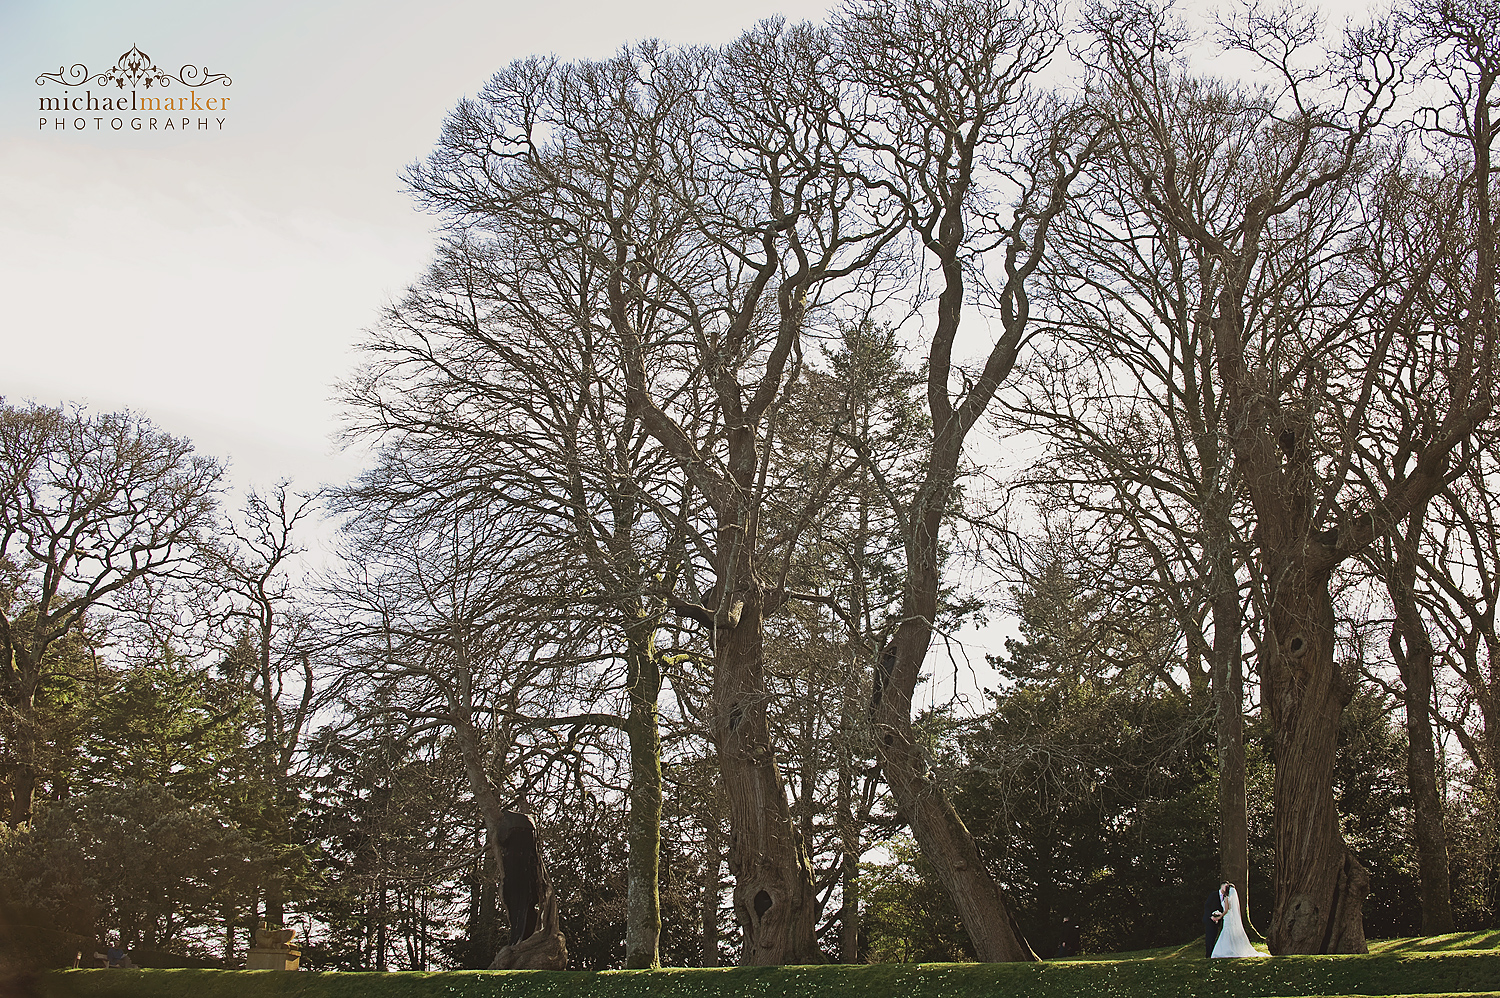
[1489,939]
[1453,942]
[1458,964]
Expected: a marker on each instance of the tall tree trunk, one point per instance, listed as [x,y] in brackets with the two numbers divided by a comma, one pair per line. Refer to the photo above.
[1229,727]
[1321,885]
[28,738]
[849,837]
[483,927]
[773,900]
[1412,649]
[773,896]
[229,926]
[860,647]
[25,788]
[275,900]
[382,917]
[709,901]
[940,833]
[1489,708]
[643,897]
[849,910]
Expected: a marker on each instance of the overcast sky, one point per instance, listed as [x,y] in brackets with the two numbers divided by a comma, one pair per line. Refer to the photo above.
[216,280]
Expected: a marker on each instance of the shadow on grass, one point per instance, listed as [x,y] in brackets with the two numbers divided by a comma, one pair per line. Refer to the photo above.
[1451,942]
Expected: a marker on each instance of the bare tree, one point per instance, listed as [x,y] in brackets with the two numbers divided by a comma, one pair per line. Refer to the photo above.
[1298,370]
[1412,649]
[1462,48]
[1460,565]
[709,192]
[273,647]
[89,505]
[1129,402]
[959,141]
[493,391]
[442,627]
[1404,410]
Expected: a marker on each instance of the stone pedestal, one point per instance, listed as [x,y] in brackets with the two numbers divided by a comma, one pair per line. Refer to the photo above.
[273,959]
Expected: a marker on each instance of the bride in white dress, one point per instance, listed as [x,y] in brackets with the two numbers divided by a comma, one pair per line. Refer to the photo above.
[1232,938]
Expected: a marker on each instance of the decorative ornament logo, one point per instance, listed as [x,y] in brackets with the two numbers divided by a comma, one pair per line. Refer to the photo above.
[131,74]
[134,67]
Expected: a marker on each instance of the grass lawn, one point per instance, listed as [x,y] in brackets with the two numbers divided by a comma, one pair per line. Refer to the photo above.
[1457,964]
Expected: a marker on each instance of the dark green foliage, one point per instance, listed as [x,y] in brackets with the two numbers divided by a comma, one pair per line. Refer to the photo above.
[681,933]
[385,823]
[134,863]
[1474,857]
[91,508]
[481,936]
[585,849]
[1097,805]
[1375,806]
[585,852]
[1089,784]
[66,704]
[906,916]
[1091,787]
[172,727]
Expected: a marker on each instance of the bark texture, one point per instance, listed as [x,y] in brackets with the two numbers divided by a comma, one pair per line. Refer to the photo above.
[1412,649]
[1229,730]
[643,897]
[1321,885]
[773,902]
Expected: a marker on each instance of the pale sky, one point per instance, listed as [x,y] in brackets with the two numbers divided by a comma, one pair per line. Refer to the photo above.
[216,280]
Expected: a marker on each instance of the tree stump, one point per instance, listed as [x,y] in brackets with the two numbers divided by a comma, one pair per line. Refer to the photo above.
[536,939]
[545,949]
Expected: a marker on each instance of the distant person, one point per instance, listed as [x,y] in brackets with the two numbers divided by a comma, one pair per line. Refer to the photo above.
[1213,920]
[1071,943]
[1232,940]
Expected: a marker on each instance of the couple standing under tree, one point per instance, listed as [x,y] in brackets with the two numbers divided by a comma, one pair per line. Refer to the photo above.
[1223,928]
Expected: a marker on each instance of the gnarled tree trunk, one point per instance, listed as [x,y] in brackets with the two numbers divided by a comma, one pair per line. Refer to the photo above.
[773,901]
[1321,885]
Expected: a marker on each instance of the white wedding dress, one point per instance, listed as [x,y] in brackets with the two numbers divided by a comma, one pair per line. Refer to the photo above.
[1232,939]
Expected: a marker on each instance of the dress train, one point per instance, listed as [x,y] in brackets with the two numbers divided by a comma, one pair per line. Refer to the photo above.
[1232,938]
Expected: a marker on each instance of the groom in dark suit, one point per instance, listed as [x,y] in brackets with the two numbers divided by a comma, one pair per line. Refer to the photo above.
[1213,920]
